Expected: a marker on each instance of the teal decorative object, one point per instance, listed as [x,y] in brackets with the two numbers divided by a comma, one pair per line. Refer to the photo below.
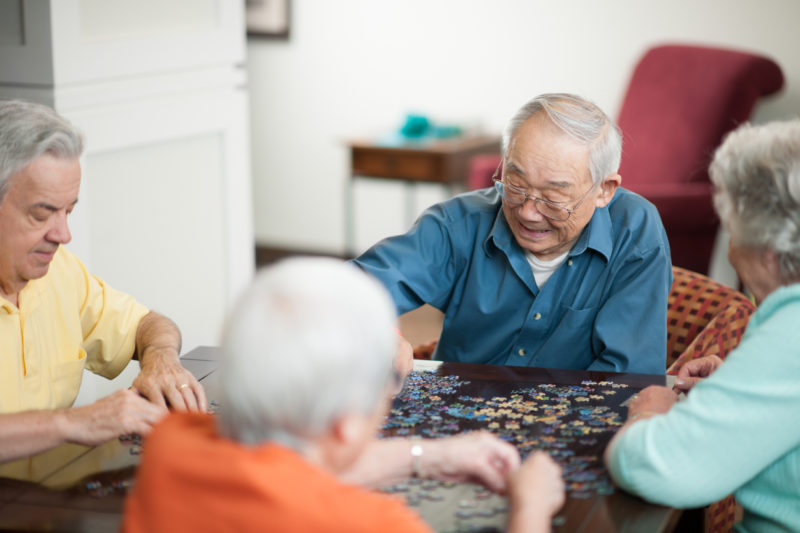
[416,126]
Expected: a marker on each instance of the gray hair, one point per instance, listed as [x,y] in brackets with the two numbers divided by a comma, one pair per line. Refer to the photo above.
[580,119]
[312,339]
[28,131]
[756,172]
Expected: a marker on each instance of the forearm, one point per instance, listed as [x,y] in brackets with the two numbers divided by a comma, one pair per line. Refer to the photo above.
[673,462]
[527,518]
[649,402]
[157,336]
[121,413]
[650,473]
[618,435]
[476,456]
[388,461]
[31,432]
[536,493]
[383,462]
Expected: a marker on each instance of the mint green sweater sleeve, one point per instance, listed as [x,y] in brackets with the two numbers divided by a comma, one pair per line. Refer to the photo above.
[737,432]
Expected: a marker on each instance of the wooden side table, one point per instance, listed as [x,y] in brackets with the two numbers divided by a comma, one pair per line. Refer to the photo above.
[443,161]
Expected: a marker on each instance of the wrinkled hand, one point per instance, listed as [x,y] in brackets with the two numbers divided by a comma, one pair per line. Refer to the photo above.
[695,371]
[122,413]
[538,485]
[163,377]
[477,456]
[652,400]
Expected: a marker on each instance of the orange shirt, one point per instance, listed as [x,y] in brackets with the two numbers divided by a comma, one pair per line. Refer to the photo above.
[193,480]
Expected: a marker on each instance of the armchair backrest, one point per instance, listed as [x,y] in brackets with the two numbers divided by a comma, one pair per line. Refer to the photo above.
[680,102]
[704,317]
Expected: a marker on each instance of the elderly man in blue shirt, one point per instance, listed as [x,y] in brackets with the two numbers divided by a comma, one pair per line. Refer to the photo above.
[555,266]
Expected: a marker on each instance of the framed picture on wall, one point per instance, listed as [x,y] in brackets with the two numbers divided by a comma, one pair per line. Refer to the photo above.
[267,18]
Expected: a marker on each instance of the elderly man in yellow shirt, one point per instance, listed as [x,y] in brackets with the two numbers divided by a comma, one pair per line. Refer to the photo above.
[56,318]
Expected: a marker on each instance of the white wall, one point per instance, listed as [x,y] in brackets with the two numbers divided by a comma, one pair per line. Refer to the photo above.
[354,67]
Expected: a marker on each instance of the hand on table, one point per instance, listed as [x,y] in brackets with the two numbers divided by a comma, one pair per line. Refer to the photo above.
[477,456]
[695,371]
[651,401]
[163,377]
[123,413]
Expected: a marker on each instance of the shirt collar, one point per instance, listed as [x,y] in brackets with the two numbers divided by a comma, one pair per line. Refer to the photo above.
[7,306]
[597,235]
[500,235]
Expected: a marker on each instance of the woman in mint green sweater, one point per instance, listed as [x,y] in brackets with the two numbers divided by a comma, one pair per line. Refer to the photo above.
[738,431]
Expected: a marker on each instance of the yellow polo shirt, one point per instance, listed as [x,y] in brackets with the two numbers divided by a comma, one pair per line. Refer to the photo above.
[66,320]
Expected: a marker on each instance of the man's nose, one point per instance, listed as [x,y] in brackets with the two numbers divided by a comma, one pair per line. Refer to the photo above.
[59,231]
[529,210]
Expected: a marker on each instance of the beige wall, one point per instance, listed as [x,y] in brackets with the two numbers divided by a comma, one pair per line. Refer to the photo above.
[355,67]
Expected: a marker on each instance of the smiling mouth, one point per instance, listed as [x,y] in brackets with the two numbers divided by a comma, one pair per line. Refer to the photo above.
[533,233]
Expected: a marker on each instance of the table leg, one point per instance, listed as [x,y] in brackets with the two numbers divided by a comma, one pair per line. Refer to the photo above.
[411,214]
[349,229]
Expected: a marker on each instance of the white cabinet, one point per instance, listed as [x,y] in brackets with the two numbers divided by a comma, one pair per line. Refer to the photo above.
[65,42]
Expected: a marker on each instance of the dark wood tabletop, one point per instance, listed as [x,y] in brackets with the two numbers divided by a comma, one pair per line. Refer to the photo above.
[79,488]
[432,160]
[570,414]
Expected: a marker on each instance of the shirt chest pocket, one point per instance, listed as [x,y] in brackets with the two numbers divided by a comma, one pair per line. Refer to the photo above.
[54,358]
[65,379]
[570,339]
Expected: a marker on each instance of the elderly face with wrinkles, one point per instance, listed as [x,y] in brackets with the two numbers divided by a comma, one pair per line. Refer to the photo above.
[546,163]
[33,219]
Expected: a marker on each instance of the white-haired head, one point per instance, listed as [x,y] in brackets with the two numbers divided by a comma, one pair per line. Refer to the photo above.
[756,172]
[583,121]
[312,339]
[28,131]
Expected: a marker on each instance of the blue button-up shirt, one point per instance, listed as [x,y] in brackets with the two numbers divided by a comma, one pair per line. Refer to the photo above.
[604,308]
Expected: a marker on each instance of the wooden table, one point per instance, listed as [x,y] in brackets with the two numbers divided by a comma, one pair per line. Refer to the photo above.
[442,161]
[500,396]
[50,492]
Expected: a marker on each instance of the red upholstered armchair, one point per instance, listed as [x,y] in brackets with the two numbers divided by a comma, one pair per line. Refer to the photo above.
[679,104]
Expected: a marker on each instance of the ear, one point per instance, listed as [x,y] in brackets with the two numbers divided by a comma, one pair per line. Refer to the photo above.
[607,189]
[348,429]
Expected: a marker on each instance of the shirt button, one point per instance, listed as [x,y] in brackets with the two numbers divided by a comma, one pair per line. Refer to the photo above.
[569,262]
[521,352]
[537,316]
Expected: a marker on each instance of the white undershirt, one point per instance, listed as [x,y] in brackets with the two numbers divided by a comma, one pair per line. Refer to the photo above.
[542,270]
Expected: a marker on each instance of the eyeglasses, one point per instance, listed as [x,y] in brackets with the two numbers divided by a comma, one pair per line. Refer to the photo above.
[517,197]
